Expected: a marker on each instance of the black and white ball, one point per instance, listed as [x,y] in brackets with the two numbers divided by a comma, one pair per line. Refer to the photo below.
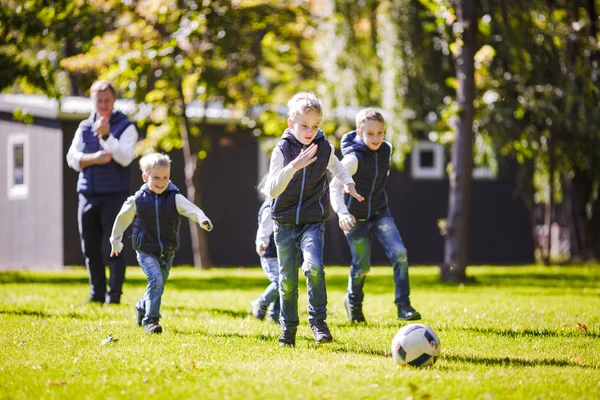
[416,345]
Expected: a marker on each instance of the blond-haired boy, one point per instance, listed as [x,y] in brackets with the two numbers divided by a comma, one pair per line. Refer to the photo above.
[299,187]
[154,211]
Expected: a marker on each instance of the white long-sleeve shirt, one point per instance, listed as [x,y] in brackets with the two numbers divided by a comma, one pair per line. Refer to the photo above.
[280,175]
[122,149]
[265,228]
[128,211]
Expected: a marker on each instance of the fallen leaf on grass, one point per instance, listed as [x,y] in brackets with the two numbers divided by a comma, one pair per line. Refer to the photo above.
[60,383]
[578,359]
[109,339]
[582,327]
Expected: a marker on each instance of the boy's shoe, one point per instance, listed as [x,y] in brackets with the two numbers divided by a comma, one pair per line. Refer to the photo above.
[152,326]
[321,332]
[407,313]
[139,315]
[287,338]
[258,310]
[355,313]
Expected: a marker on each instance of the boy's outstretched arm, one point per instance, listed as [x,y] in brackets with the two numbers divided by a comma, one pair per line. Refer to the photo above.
[346,220]
[191,211]
[339,171]
[122,221]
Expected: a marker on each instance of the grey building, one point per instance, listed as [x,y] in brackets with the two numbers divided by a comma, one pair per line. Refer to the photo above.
[38,227]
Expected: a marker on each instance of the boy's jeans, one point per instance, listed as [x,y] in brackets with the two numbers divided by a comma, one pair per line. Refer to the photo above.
[271,293]
[293,242]
[157,270]
[384,229]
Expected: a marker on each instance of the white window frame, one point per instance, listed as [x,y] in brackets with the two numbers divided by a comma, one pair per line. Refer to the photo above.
[434,172]
[17,192]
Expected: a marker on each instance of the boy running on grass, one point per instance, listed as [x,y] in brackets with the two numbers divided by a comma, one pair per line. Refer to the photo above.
[299,187]
[154,211]
[367,159]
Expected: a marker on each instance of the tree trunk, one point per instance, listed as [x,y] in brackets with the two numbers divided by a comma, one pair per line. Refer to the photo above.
[456,246]
[526,191]
[548,218]
[191,171]
[582,184]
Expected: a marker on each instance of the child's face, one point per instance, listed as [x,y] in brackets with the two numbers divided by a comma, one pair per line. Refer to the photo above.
[372,133]
[104,102]
[157,178]
[305,126]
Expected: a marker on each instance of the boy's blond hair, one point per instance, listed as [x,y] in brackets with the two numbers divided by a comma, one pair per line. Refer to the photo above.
[303,102]
[101,86]
[152,160]
[368,114]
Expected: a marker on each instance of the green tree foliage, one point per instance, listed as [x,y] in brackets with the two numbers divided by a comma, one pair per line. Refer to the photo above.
[168,54]
[35,35]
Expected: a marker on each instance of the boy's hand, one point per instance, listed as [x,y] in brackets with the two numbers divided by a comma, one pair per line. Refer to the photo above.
[207,225]
[260,249]
[351,190]
[347,222]
[305,158]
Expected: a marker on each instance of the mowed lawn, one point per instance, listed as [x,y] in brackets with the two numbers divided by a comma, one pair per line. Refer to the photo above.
[516,333]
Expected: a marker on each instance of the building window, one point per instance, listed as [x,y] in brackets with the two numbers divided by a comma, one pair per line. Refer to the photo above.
[18,167]
[427,161]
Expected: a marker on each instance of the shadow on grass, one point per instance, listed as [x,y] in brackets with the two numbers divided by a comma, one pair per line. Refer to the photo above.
[512,361]
[45,314]
[212,311]
[532,333]
[376,283]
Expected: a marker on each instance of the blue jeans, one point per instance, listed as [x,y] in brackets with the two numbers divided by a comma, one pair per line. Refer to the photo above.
[271,293]
[295,242]
[383,228]
[157,270]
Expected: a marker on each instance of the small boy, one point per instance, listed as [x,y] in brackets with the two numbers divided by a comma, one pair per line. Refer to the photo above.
[367,159]
[154,211]
[266,250]
[299,187]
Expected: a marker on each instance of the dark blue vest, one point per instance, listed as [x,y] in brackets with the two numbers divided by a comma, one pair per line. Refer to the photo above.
[306,198]
[106,178]
[370,178]
[271,250]
[156,224]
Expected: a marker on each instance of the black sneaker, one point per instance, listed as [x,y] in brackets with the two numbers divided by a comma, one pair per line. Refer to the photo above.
[112,298]
[407,313]
[258,310]
[355,313]
[152,326]
[287,338]
[321,332]
[139,315]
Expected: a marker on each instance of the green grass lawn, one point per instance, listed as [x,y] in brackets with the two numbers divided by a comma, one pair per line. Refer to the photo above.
[512,334]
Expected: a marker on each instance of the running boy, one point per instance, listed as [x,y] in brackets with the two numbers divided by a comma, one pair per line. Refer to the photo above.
[299,187]
[266,250]
[154,211]
[367,159]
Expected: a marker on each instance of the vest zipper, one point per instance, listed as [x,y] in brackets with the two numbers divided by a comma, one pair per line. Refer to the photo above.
[373,186]
[301,194]
[158,224]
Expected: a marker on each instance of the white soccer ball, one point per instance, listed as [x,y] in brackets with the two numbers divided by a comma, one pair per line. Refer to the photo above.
[416,345]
